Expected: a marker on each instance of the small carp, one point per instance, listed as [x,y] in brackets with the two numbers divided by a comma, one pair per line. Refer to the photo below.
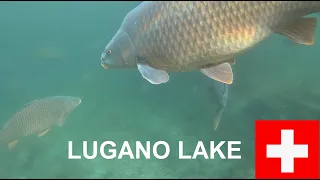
[37,117]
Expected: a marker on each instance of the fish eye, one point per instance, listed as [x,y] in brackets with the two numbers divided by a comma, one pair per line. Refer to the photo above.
[108,51]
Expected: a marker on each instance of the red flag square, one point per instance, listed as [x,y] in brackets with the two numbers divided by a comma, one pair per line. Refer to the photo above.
[287,149]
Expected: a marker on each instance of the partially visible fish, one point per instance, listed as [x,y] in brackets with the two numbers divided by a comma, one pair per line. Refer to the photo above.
[158,37]
[37,117]
[221,92]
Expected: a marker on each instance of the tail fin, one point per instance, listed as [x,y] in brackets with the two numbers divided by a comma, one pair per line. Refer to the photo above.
[217,118]
[221,90]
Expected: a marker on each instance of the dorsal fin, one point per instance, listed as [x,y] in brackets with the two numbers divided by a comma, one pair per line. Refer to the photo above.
[31,102]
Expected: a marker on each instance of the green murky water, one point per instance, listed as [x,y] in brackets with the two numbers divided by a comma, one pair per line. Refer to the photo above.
[54,48]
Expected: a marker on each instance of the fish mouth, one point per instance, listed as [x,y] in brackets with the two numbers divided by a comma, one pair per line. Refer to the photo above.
[104,65]
[103,55]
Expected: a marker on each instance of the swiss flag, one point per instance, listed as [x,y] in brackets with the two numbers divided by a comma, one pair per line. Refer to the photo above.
[287,149]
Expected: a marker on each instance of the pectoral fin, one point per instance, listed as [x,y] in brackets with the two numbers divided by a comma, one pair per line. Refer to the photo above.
[43,132]
[154,76]
[222,73]
[301,31]
[12,144]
